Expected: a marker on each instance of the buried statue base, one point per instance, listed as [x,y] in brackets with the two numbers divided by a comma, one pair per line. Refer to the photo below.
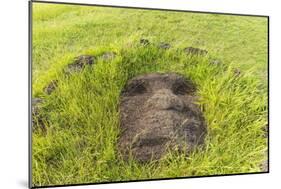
[158,113]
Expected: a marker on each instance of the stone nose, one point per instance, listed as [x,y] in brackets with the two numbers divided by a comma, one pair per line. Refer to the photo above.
[165,99]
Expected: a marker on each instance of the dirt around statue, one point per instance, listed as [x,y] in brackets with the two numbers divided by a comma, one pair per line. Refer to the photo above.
[157,113]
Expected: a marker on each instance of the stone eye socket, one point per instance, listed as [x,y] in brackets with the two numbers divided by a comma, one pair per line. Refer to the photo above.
[180,89]
[136,88]
[183,86]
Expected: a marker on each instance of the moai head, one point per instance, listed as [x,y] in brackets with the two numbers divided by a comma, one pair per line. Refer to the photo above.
[157,113]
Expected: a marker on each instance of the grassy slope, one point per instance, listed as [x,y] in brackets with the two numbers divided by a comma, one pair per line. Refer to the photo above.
[79,145]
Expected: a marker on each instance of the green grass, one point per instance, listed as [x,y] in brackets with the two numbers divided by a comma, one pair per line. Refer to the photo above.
[83,119]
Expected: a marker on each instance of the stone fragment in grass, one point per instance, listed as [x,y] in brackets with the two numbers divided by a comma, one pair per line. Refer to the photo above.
[237,72]
[108,55]
[195,51]
[37,119]
[51,87]
[215,62]
[164,46]
[79,63]
[144,42]
[36,102]
[158,112]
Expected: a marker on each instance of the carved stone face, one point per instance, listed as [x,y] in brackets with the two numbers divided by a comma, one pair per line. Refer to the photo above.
[158,112]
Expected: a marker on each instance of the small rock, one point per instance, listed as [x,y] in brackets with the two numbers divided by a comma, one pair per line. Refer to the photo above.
[84,60]
[79,63]
[36,101]
[51,87]
[164,46]
[195,51]
[35,105]
[144,42]
[215,62]
[237,72]
[108,55]
[37,119]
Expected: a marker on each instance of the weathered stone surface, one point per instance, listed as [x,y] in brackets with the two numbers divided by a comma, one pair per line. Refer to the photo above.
[51,87]
[37,119]
[216,62]
[237,72]
[108,55]
[79,63]
[195,51]
[35,105]
[158,112]
[164,46]
[144,42]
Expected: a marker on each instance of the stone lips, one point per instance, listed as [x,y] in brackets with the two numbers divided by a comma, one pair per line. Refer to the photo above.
[158,113]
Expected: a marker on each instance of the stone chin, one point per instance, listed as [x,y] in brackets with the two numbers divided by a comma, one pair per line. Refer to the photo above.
[158,113]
